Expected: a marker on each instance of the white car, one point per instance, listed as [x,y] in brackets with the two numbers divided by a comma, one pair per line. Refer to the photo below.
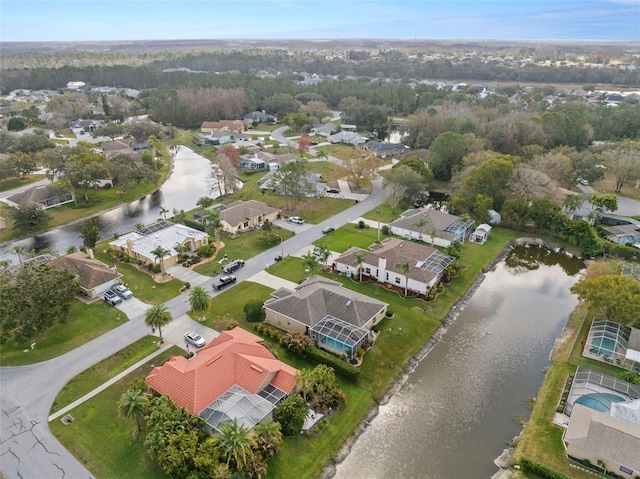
[194,338]
[296,220]
[122,291]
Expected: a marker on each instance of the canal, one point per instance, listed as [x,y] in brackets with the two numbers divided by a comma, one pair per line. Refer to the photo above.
[188,182]
[462,405]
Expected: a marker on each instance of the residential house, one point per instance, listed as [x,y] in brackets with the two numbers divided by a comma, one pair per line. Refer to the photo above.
[481,234]
[246,215]
[259,117]
[172,237]
[252,163]
[312,186]
[383,149]
[120,147]
[613,343]
[624,234]
[96,276]
[612,439]
[86,126]
[347,137]
[345,127]
[337,318]
[217,137]
[76,85]
[324,129]
[433,226]
[385,262]
[45,196]
[234,377]
[421,153]
[237,126]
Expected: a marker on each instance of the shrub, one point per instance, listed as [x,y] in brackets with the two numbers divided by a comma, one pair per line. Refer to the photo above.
[389,313]
[341,367]
[361,225]
[206,251]
[253,311]
[196,225]
[155,268]
[385,230]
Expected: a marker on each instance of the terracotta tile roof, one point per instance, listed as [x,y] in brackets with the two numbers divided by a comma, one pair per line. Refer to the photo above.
[234,358]
[91,271]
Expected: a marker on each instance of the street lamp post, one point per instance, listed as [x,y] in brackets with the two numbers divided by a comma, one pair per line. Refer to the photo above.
[281,246]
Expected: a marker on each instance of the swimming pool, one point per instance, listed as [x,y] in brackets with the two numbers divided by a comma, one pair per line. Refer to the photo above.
[603,345]
[599,401]
[336,345]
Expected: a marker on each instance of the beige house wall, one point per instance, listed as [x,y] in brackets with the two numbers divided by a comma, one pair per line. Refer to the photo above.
[580,453]
[284,322]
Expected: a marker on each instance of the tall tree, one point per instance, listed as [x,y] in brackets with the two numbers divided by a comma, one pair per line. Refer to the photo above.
[158,254]
[303,145]
[623,162]
[361,168]
[616,297]
[291,181]
[213,221]
[90,233]
[199,299]
[236,443]
[133,404]
[291,414]
[23,163]
[359,260]
[269,437]
[401,183]
[309,261]
[29,217]
[158,316]
[404,267]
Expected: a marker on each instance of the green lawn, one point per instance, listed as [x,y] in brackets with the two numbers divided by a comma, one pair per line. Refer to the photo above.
[85,322]
[140,283]
[101,440]
[343,238]
[11,183]
[93,377]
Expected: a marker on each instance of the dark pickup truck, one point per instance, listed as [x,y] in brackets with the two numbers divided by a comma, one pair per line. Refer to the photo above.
[222,281]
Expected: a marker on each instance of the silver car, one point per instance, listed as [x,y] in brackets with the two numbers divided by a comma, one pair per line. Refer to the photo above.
[122,291]
[194,338]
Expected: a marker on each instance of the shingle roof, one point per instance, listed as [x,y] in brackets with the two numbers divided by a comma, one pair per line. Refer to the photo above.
[37,194]
[241,211]
[233,358]
[604,436]
[318,297]
[396,251]
[91,271]
[434,220]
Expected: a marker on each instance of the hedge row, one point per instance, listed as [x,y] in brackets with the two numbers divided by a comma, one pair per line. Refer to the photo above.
[540,470]
[342,368]
[196,225]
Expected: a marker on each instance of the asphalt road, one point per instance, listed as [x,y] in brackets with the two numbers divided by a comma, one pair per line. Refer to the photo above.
[27,447]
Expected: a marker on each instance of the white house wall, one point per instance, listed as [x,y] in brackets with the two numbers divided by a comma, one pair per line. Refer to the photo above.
[415,235]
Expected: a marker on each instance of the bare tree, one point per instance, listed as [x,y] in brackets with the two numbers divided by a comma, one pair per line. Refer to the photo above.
[531,184]
[224,176]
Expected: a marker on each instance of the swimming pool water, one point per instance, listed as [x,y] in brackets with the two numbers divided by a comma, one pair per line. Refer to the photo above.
[599,401]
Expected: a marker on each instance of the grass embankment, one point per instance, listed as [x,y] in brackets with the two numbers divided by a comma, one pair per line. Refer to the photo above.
[112,452]
[98,438]
[87,321]
[11,183]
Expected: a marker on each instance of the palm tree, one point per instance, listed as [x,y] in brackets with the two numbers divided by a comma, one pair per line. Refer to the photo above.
[421,225]
[158,316]
[159,253]
[163,212]
[324,378]
[405,269]
[309,261]
[359,260]
[325,252]
[269,437]
[212,219]
[305,382]
[133,404]
[199,299]
[18,250]
[236,443]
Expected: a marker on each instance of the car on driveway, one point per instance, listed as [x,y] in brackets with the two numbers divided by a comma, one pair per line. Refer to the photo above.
[194,339]
[584,182]
[122,291]
[112,298]
[327,229]
[333,191]
[297,220]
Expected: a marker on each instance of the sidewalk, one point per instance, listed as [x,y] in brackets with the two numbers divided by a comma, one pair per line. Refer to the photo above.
[104,386]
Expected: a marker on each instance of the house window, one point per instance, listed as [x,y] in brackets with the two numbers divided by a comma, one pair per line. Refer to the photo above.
[368,271]
[397,280]
[387,277]
[246,224]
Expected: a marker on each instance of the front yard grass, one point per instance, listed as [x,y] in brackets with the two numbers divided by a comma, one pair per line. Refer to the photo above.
[140,283]
[86,321]
[101,440]
[11,183]
[343,238]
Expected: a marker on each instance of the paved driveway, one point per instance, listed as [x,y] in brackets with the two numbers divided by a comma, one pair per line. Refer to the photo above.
[174,331]
[132,307]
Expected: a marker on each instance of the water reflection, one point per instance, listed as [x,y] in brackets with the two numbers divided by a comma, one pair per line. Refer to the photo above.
[187,183]
[456,411]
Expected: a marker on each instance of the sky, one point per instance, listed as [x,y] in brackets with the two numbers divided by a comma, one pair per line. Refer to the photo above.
[104,20]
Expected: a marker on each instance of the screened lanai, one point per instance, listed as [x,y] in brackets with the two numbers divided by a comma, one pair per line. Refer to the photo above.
[610,342]
[237,403]
[338,335]
[598,391]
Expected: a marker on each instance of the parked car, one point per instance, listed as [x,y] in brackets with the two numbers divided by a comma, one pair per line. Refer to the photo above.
[296,220]
[313,143]
[327,229]
[194,338]
[233,265]
[333,191]
[112,298]
[122,291]
[584,182]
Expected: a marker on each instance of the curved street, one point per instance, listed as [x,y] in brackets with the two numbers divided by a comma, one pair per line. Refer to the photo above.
[28,449]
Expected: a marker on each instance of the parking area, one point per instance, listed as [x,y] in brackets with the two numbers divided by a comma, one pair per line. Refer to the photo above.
[288,225]
[132,307]
[174,331]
